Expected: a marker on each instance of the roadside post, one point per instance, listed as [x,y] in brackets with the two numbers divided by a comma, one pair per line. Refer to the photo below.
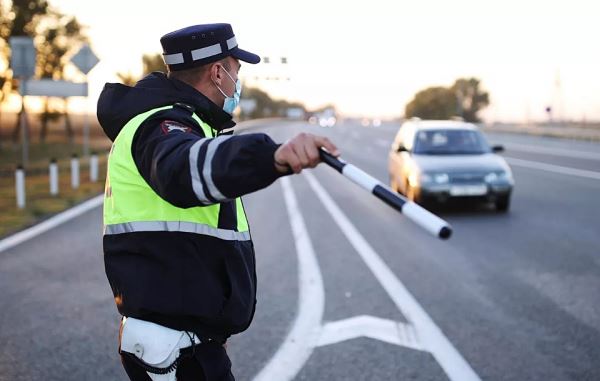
[74,172]
[20,186]
[94,167]
[53,172]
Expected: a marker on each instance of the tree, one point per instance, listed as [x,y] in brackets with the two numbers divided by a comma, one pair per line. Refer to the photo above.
[470,98]
[153,62]
[54,34]
[464,99]
[150,63]
[265,105]
[432,103]
[127,78]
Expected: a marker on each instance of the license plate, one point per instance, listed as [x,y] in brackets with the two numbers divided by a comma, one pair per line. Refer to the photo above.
[468,190]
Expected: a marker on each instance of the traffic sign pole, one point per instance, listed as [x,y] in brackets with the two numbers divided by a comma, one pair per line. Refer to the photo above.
[86,132]
[22,63]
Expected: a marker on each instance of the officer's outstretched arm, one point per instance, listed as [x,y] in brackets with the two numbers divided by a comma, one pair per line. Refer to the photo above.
[188,169]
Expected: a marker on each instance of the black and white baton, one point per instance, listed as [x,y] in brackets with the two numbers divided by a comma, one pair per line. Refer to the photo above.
[412,210]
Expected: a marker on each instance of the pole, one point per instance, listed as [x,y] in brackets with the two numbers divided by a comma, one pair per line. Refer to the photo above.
[23,124]
[413,211]
[94,167]
[86,128]
[74,172]
[20,186]
[53,177]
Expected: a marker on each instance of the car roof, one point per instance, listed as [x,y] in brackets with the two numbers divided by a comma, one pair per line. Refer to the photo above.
[440,124]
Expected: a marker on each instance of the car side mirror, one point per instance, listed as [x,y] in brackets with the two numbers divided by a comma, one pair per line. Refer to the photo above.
[497,148]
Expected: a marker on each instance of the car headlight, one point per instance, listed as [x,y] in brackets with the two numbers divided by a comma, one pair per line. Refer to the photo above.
[496,176]
[415,179]
[441,178]
[434,178]
[491,177]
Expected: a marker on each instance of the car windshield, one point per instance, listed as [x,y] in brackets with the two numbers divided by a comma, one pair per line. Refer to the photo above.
[450,142]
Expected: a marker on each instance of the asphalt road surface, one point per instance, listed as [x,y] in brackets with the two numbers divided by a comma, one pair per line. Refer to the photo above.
[349,289]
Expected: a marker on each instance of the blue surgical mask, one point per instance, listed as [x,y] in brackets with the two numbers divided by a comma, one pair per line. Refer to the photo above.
[232,102]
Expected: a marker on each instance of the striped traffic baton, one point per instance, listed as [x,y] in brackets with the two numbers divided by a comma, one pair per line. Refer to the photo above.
[412,210]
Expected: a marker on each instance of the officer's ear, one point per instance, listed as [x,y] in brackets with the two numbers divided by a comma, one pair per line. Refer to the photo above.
[216,73]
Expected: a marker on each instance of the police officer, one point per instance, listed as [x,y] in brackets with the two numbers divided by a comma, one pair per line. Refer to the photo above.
[177,247]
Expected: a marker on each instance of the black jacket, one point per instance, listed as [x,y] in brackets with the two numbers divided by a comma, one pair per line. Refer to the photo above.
[182,280]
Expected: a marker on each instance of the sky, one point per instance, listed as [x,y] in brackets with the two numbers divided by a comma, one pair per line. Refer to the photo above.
[369,58]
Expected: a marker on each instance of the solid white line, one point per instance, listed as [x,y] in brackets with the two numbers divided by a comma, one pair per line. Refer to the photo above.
[303,337]
[552,151]
[431,336]
[50,223]
[554,168]
[376,328]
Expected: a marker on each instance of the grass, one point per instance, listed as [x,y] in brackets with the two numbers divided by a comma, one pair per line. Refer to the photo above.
[39,203]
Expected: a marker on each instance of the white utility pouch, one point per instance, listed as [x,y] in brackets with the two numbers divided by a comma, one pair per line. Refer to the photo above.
[155,345]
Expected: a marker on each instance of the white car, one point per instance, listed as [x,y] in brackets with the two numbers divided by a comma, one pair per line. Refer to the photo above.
[435,160]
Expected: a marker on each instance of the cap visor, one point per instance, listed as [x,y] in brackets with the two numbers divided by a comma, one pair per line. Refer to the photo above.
[245,56]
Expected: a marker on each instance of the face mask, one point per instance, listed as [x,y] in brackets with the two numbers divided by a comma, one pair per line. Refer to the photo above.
[232,102]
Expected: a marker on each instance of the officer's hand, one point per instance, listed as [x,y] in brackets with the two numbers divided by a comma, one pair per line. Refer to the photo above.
[301,152]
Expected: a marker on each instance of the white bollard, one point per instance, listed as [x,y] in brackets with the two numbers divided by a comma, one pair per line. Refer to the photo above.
[53,177]
[74,172]
[94,167]
[20,186]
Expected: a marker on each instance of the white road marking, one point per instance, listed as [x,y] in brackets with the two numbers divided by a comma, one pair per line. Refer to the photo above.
[304,335]
[553,151]
[389,331]
[50,223]
[554,168]
[307,331]
[432,338]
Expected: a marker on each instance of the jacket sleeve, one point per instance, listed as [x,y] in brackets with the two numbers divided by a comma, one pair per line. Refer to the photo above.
[188,169]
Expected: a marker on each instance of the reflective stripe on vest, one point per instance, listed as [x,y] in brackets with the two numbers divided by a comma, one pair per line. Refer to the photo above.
[176,226]
[131,205]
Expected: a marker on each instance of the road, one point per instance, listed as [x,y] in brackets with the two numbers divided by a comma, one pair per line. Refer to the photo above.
[509,297]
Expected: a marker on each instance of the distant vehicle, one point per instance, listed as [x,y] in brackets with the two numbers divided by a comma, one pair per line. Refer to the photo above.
[297,113]
[324,118]
[436,160]
[366,122]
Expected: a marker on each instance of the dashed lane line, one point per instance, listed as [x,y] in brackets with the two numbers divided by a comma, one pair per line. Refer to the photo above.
[554,168]
[563,152]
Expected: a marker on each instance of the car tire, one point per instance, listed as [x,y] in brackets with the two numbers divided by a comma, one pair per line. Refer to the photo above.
[503,204]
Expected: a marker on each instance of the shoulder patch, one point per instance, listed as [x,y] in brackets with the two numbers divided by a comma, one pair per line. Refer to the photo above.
[169,126]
